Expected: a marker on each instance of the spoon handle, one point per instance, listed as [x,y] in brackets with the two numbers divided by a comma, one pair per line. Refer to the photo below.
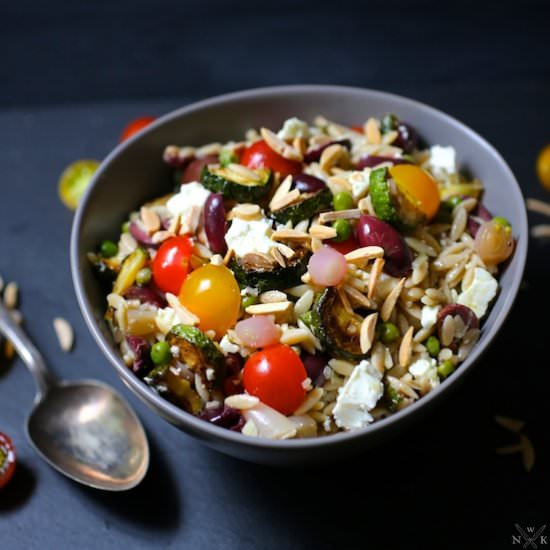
[27,351]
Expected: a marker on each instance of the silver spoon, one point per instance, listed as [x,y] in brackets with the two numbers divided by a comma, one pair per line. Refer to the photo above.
[84,429]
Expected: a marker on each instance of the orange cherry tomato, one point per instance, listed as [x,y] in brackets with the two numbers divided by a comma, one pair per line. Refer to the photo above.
[275,375]
[7,459]
[135,126]
[213,295]
[418,187]
[172,263]
[260,155]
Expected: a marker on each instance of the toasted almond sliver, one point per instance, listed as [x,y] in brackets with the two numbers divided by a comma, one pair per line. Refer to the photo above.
[277,256]
[372,131]
[174,225]
[527,452]
[360,255]
[344,299]
[351,214]
[272,296]
[269,309]
[405,349]
[184,315]
[307,278]
[246,211]
[331,156]
[64,333]
[359,297]
[536,205]
[294,336]
[366,335]
[11,295]
[161,236]
[9,350]
[289,235]
[282,190]
[322,232]
[243,172]
[340,181]
[374,276]
[511,424]
[391,300]
[290,198]
[228,255]
[316,244]
[509,449]
[300,144]
[311,399]
[285,250]
[150,219]
[540,231]
[279,146]
[241,401]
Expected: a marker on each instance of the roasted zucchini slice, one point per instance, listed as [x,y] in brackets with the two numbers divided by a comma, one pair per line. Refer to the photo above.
[269,275]
[129,270]
[234,183]
[305,209]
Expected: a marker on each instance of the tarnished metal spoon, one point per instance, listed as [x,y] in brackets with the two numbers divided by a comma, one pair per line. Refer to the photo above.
[84,429]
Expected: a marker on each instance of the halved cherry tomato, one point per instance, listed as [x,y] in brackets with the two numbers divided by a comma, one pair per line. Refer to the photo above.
[172,263]
[276,375]
[344,246]
[358,129]
[74,181]
[135,126]
[213,295]
[260,155]
[7,459]
[418,187]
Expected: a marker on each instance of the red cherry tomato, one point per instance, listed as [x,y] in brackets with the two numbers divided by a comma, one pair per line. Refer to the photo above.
[135,126]
[275,375]
[7,459]
[260,155]
[172,263]
[358,129]
[344,246]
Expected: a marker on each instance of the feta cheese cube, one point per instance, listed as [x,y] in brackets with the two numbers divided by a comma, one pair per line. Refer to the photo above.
[425,369]
[480,292]
[293,128]
[359,181]
[227,346]
[442,161]
[165,319]
[358,396]
[191,195]
[429,316]
[249,236]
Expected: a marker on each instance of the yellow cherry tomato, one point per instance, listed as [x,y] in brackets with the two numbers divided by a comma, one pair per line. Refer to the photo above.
[74,180]
[418,186]
[543,167]
[213,295]
[494,241]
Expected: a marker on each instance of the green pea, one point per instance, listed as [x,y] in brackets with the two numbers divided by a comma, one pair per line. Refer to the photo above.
[446,368]
[248,301]
[143,276]
[388,333]
[342,201]
[433,346]
[160,353]
[125,227]
[228,156]
[503,222]
[343,229]
[108,249]
[451,202]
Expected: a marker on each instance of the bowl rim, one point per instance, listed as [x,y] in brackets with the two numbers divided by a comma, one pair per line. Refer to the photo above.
[205,430]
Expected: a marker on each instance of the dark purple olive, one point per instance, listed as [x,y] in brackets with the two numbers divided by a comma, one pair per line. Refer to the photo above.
[142,358]
[146,295]
[315,365]
[480,212]
[374,232]
[374,160]
[468,317]
[307,184]
[141,236]
[315,154]
[215,224]
[407,138]
[193,170]
[173,158]
[225,417]
[233,364]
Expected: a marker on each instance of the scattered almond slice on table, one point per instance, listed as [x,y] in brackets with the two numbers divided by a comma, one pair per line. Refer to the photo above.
[64,332]
[523,447]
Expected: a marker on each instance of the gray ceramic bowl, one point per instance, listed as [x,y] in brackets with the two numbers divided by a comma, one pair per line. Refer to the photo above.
[134,173]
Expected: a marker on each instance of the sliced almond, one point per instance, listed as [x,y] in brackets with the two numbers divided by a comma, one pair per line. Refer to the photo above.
[322,232]
[300,144]
[405,349]
[331,156]
[285,250]
[160,236]
[9,350]
[277,256]
[126,244]
[391,300]
[344,300]
[228,256]
[339,181]
[306,278]
[365,206]
[374,276]
[241,401]
[389,137]
[359,297]
[150,220]
[280,146]
[184,315]
[191,222]
[511,424]
[372,131]
[361,255]
[366,334]
[64,332]
[527,452]
[174,225]
[246,211]
[269,309]
[290,235]
[290,198]
[295,336]
[316,244]
[281,191]
[11,295]
[258,259]
[351,214]
[272,296]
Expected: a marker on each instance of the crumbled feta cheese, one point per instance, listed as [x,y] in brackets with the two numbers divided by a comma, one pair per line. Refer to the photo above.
[425,368]
[359,181]
[249,236]
[249,291]
[210,374]
[293,128]
[191,194]
[442,160]
[429,316]
[227,346]
[175,351]
[480,292]
[358,396]
[166,318]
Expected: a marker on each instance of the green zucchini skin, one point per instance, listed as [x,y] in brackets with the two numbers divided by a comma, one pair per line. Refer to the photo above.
[306,209]
[271,279]
[196,349]
[215,180]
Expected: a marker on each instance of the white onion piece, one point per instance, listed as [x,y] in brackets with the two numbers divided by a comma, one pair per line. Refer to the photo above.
[270,423]
[327,267]
[305,425]
[258,331]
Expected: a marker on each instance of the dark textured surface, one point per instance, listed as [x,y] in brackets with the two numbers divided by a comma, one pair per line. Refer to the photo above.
[441,485]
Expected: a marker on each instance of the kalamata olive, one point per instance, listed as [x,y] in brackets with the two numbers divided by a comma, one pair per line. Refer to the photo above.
[479,212]
[307,184]
[223,416]
[374,232]
[374,160]
[407,139]
[314,365]
[142,358]
[315,154]
[233,364]
[146,295]
[469,318]
[193,170]
[141,236]
[215,224]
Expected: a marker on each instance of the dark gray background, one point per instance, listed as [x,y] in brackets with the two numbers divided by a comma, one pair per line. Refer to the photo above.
[71,76]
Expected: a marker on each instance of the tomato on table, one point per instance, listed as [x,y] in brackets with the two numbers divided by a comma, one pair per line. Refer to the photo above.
[7,459]
[260,155]
[135,126]
[172,263]
[211,292]
[276,375]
